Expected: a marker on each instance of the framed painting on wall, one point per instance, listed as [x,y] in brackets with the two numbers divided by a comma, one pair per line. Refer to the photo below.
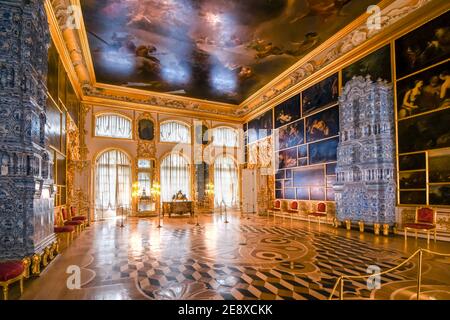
[302,193]
[440,194]
[423,46]
[291,135]
[322,125]
[287,111]
[287,158]
[412,161]
[303,151]
[265,124]
[323,151]
[439,167]
[412,180]
[289,193]
[279,194]
[312,176]
[146,129]
[317,193]
[430,131]
[425,91]
[413,197]
[323,94]
[376,64]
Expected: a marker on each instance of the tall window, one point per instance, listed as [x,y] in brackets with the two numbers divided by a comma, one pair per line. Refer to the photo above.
[225,181]
[113,180]
[175,176]
[225,136]
[173,131]
[113,126]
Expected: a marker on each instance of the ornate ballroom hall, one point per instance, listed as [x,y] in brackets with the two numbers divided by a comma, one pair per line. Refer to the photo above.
[224,150]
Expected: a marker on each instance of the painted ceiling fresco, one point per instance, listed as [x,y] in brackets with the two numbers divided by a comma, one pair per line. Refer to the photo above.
[219,50]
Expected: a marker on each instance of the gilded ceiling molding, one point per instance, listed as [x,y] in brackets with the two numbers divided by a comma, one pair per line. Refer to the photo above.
[327,54]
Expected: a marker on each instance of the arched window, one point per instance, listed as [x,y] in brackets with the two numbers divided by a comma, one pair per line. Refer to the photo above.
[225,181]
[174,131]
[113,181]
[175,176]
[225,137]
[112,126]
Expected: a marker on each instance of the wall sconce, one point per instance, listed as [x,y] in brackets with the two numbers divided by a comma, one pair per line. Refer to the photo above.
[135,190]
[156,189]
[209,189]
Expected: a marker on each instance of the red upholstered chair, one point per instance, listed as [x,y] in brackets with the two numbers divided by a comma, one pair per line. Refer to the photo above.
[425,221]
[10,272]
[75,217]
[62,231]
[319,213]
[292,208]
[77,224]
[276,207]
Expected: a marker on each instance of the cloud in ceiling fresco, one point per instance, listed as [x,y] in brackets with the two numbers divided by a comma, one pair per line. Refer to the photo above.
[219,50]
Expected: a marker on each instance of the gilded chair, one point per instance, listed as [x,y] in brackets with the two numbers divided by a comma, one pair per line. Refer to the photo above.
[319,213]
[292,208]
[10,272]
[276,207]
[63,232]
[75,217]
[67,221]
[425,221]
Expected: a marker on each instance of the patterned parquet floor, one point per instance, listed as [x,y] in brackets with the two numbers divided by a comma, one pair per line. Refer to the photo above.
[248,258]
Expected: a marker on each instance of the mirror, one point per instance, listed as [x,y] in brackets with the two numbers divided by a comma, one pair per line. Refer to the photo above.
[146,200]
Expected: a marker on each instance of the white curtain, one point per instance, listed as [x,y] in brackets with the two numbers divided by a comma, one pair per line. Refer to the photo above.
[175,176]
[113,180]
[112,125]
[225,181]
[225,136]
[174,132]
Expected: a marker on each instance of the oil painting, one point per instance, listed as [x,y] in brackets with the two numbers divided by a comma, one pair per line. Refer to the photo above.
[291,135]
[425,91]
[311,176]
[331,169]
[302,193]
[303,151]
[216,50]
[440,194]
[146,129]
[430,131]
[320,95]
[323,151]
[377,65]
[287,158]
[279,194]
[288,111]
[279,174]
[413,180]
[317,193]
[302,162]
[289,193]
[439,167]
[322,125]
[414,161]
[423,46]
[413,197]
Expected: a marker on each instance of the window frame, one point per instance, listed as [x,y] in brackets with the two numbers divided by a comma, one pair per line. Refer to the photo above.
[188,125]
[117,114]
